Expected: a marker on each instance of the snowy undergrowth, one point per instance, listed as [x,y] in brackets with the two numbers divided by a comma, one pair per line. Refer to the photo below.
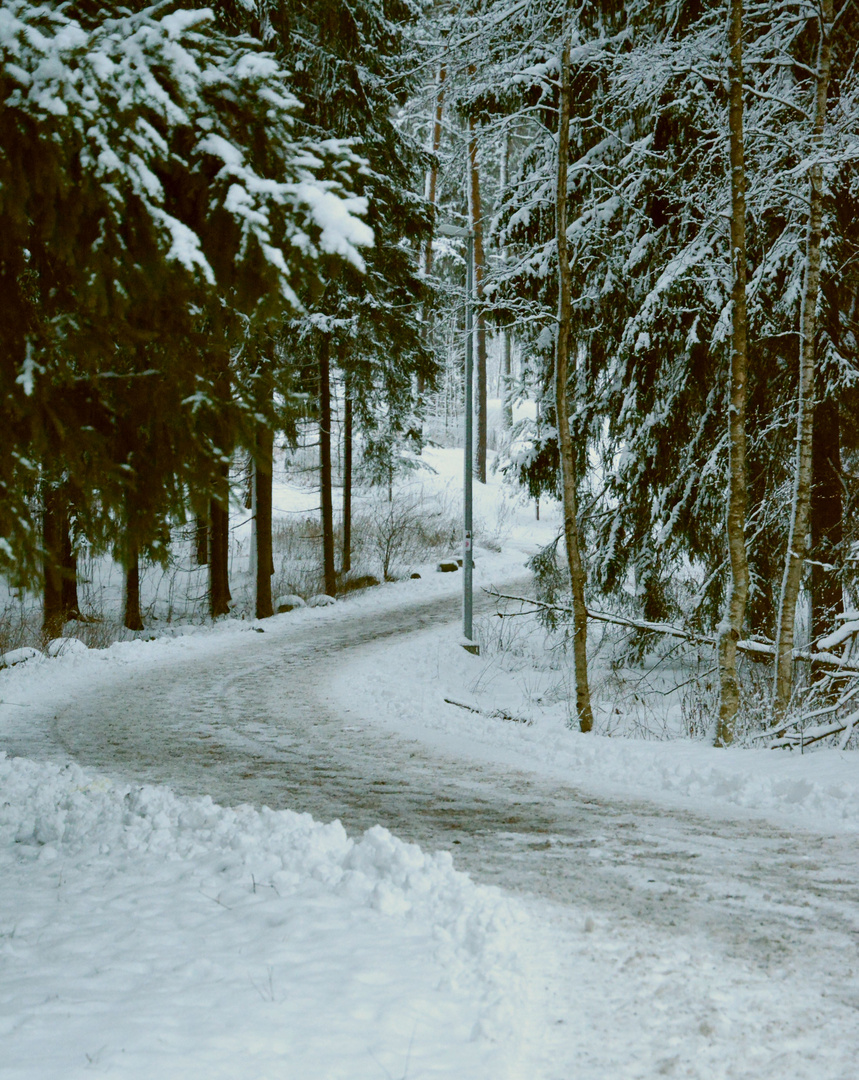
[392,539]
[510,717]
[670,693]
[146,934]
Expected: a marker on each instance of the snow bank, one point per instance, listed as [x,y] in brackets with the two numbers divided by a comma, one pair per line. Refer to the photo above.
[145,934]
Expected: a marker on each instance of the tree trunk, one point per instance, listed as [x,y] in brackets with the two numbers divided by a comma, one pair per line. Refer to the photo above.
[827,533]
[69,565]
[507,342]
[476,209]
[432,176]
[250,478]
[201,540]
[731,627]
[346,564]
[797,544]
[328,570]
[60,595]
[431,188]
[565,445]
[53,615]
[132,617]
[263,468]
[507,391]
[219,554]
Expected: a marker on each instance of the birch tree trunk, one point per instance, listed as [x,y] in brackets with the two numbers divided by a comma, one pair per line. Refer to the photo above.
[732,624]
[431,188]
[507,367]
[797,544]
[565,444]
[476,208]
[507,379]
[328,569]
[432,175]
[827,517]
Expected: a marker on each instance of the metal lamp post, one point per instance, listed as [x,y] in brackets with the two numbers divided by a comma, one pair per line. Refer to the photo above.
[467,560]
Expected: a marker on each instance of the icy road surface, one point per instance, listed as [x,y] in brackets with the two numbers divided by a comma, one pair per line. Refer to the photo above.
[678,944]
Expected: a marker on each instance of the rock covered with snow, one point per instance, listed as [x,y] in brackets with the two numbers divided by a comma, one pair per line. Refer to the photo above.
[65,646]
[18,656]
[321,600]
[287,602]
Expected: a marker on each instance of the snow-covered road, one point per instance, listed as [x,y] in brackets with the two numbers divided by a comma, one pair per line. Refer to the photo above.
[670,942]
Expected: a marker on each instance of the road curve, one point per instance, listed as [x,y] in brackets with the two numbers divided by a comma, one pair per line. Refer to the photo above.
[250,724]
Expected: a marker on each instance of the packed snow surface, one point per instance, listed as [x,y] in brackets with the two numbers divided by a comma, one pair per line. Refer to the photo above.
[815,790]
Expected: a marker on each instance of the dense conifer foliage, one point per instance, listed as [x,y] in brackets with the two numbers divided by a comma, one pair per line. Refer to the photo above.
[352,70]
[156,196]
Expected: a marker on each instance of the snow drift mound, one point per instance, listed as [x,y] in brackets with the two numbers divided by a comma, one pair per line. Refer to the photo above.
[116,893]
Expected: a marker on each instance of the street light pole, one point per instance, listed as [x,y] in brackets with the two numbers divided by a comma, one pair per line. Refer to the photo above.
[467,540]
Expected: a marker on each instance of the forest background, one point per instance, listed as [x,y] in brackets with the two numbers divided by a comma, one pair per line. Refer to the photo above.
[219,237]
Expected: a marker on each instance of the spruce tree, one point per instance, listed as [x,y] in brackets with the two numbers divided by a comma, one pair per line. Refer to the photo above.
[153,179]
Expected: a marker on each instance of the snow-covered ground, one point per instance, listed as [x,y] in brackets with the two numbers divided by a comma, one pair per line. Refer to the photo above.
[145,935]
[513,726]
[148,934]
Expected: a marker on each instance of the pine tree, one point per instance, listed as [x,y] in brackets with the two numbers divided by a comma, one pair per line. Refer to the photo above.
[349,63]
[649,196]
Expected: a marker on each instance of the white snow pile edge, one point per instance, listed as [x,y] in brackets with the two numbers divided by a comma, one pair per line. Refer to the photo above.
[69,816]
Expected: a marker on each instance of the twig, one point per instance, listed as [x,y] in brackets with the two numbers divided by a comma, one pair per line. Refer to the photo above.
[216,900]
[679,686]
[460,705]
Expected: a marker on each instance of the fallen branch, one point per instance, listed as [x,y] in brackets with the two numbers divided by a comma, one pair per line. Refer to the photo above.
[784,736]
[623,620]
[751,648]
[809,736]
[825,710]
[496,714]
